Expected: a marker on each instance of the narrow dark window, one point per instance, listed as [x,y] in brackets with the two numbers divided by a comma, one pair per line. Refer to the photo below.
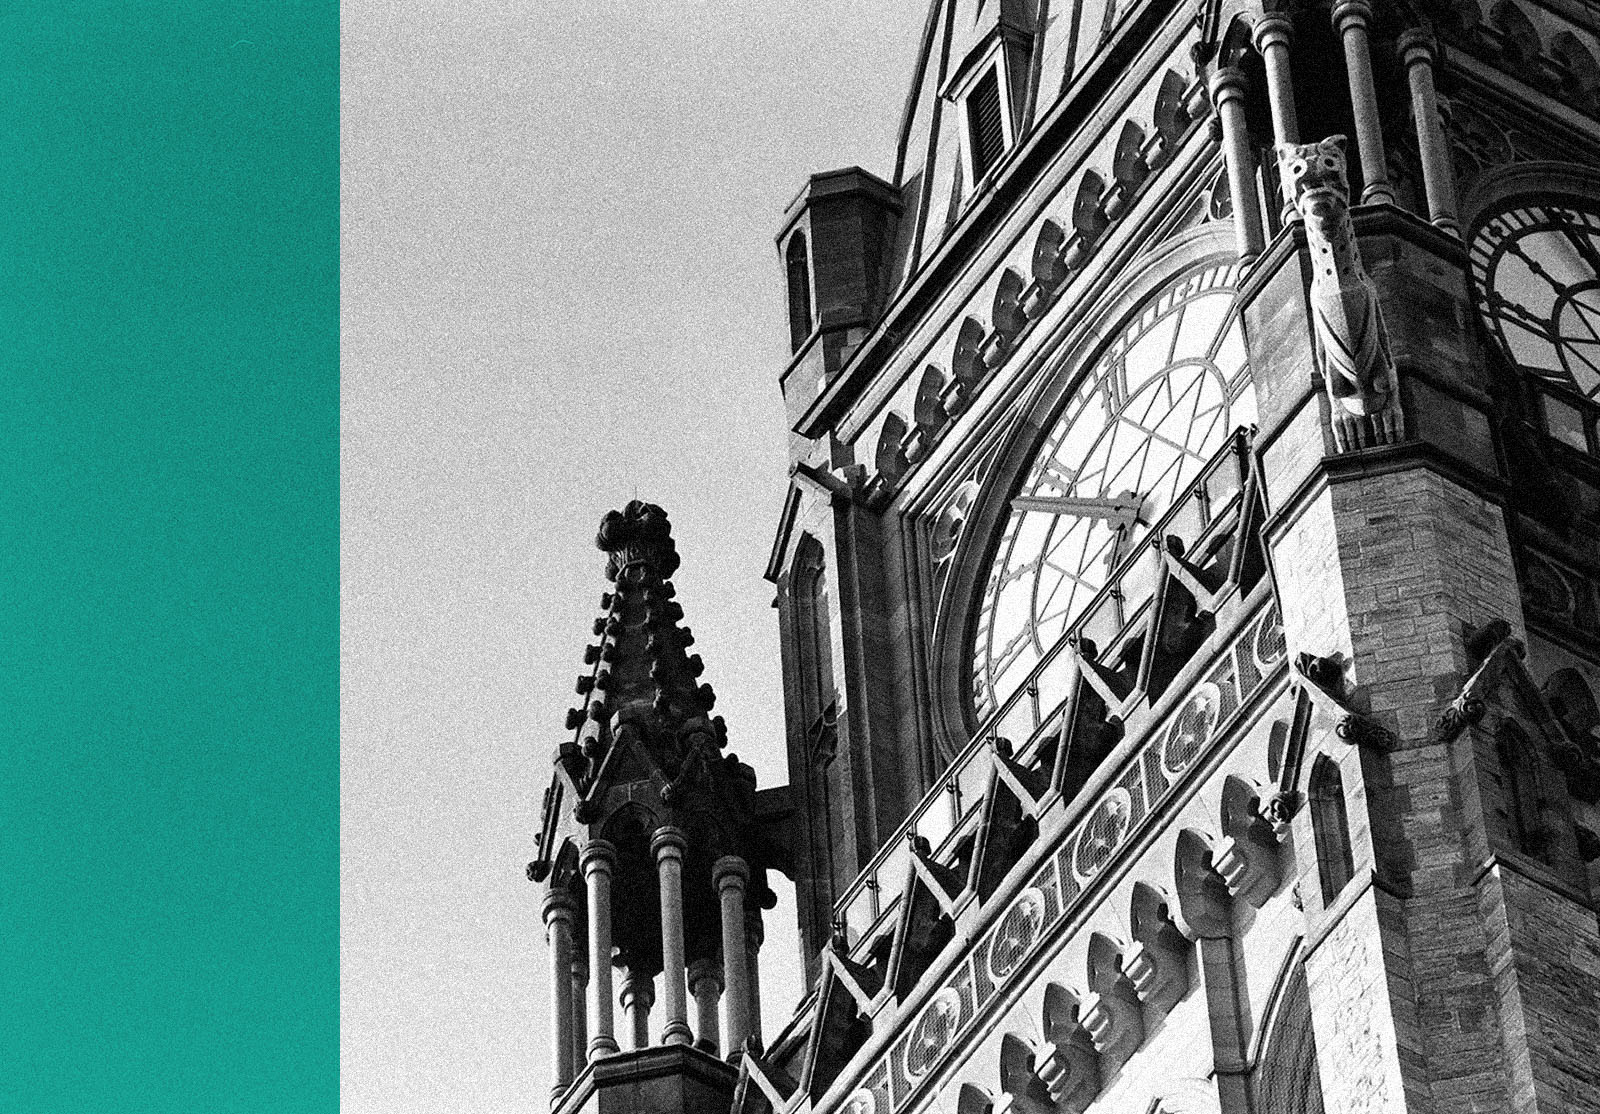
[816,678]
[799,276]
[1330,828]
[984,124]
[1523,799]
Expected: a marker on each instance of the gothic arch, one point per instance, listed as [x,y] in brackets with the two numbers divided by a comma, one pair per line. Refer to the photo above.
[1583,71]
[797,274]
[808,589]
[1525,179]
[964,362]
[1330,828]
[1524,790]
[1049,270]
[928,408]
[1520,42]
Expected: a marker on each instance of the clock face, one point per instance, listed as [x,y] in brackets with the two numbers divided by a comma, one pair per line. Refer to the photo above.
[1160,401]
[1537,266]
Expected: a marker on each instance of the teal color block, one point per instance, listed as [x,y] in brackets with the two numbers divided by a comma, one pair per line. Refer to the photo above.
[168,557]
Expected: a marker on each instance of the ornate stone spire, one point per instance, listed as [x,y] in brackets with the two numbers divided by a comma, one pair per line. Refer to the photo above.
[646,799]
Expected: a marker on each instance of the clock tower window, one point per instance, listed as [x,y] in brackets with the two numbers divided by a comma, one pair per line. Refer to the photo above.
[985,125]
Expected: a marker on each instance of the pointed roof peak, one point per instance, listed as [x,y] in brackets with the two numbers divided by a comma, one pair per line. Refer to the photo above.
[639,541]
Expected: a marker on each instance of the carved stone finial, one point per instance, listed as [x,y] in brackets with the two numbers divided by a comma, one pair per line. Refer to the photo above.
[1352,344]
[639,540]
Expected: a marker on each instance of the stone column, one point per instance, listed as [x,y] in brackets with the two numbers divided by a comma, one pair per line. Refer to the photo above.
[1227,93]
[638,995]
[730,876]
[580,1015]
[754,935]
[705,986]
[599,860]
[667,846]
[1273,33]
[558,917]
[1350,19]
[1418,50]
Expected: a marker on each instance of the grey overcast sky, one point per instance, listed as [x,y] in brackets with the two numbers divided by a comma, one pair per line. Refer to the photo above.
[559,292]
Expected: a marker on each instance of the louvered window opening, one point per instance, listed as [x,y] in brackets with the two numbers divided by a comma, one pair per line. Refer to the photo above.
[985,125]
[799,278]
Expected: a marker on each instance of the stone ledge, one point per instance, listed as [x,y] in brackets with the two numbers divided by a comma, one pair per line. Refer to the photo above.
[665,1079]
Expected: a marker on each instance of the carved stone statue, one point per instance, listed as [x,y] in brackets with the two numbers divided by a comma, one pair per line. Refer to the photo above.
[1352,345]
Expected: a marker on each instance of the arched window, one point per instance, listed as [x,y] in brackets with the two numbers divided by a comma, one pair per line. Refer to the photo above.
[811,614]
[1524,807]
[1330,828]
[814,669]
[797,271]
[1286,1076]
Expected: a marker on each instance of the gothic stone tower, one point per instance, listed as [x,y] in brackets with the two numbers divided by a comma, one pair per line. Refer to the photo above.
[1189,598]
[1188,578]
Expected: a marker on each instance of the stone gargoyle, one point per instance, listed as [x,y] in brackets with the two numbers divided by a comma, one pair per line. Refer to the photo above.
[1352,344]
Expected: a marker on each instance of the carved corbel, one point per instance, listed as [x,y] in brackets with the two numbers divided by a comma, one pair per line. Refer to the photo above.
[1114,1023]
[1022,1089]
[1066,1061]
[1473,700]
[1249,870]
[1279,809]
[1157,964]
[996,347]
[1111,1014]
[1322,682]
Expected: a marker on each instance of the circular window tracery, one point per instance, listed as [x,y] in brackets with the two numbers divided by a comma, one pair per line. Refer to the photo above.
[1159,401]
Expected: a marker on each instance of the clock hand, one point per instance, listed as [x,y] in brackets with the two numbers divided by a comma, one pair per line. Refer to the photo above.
[1521,315]
[1118,510]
